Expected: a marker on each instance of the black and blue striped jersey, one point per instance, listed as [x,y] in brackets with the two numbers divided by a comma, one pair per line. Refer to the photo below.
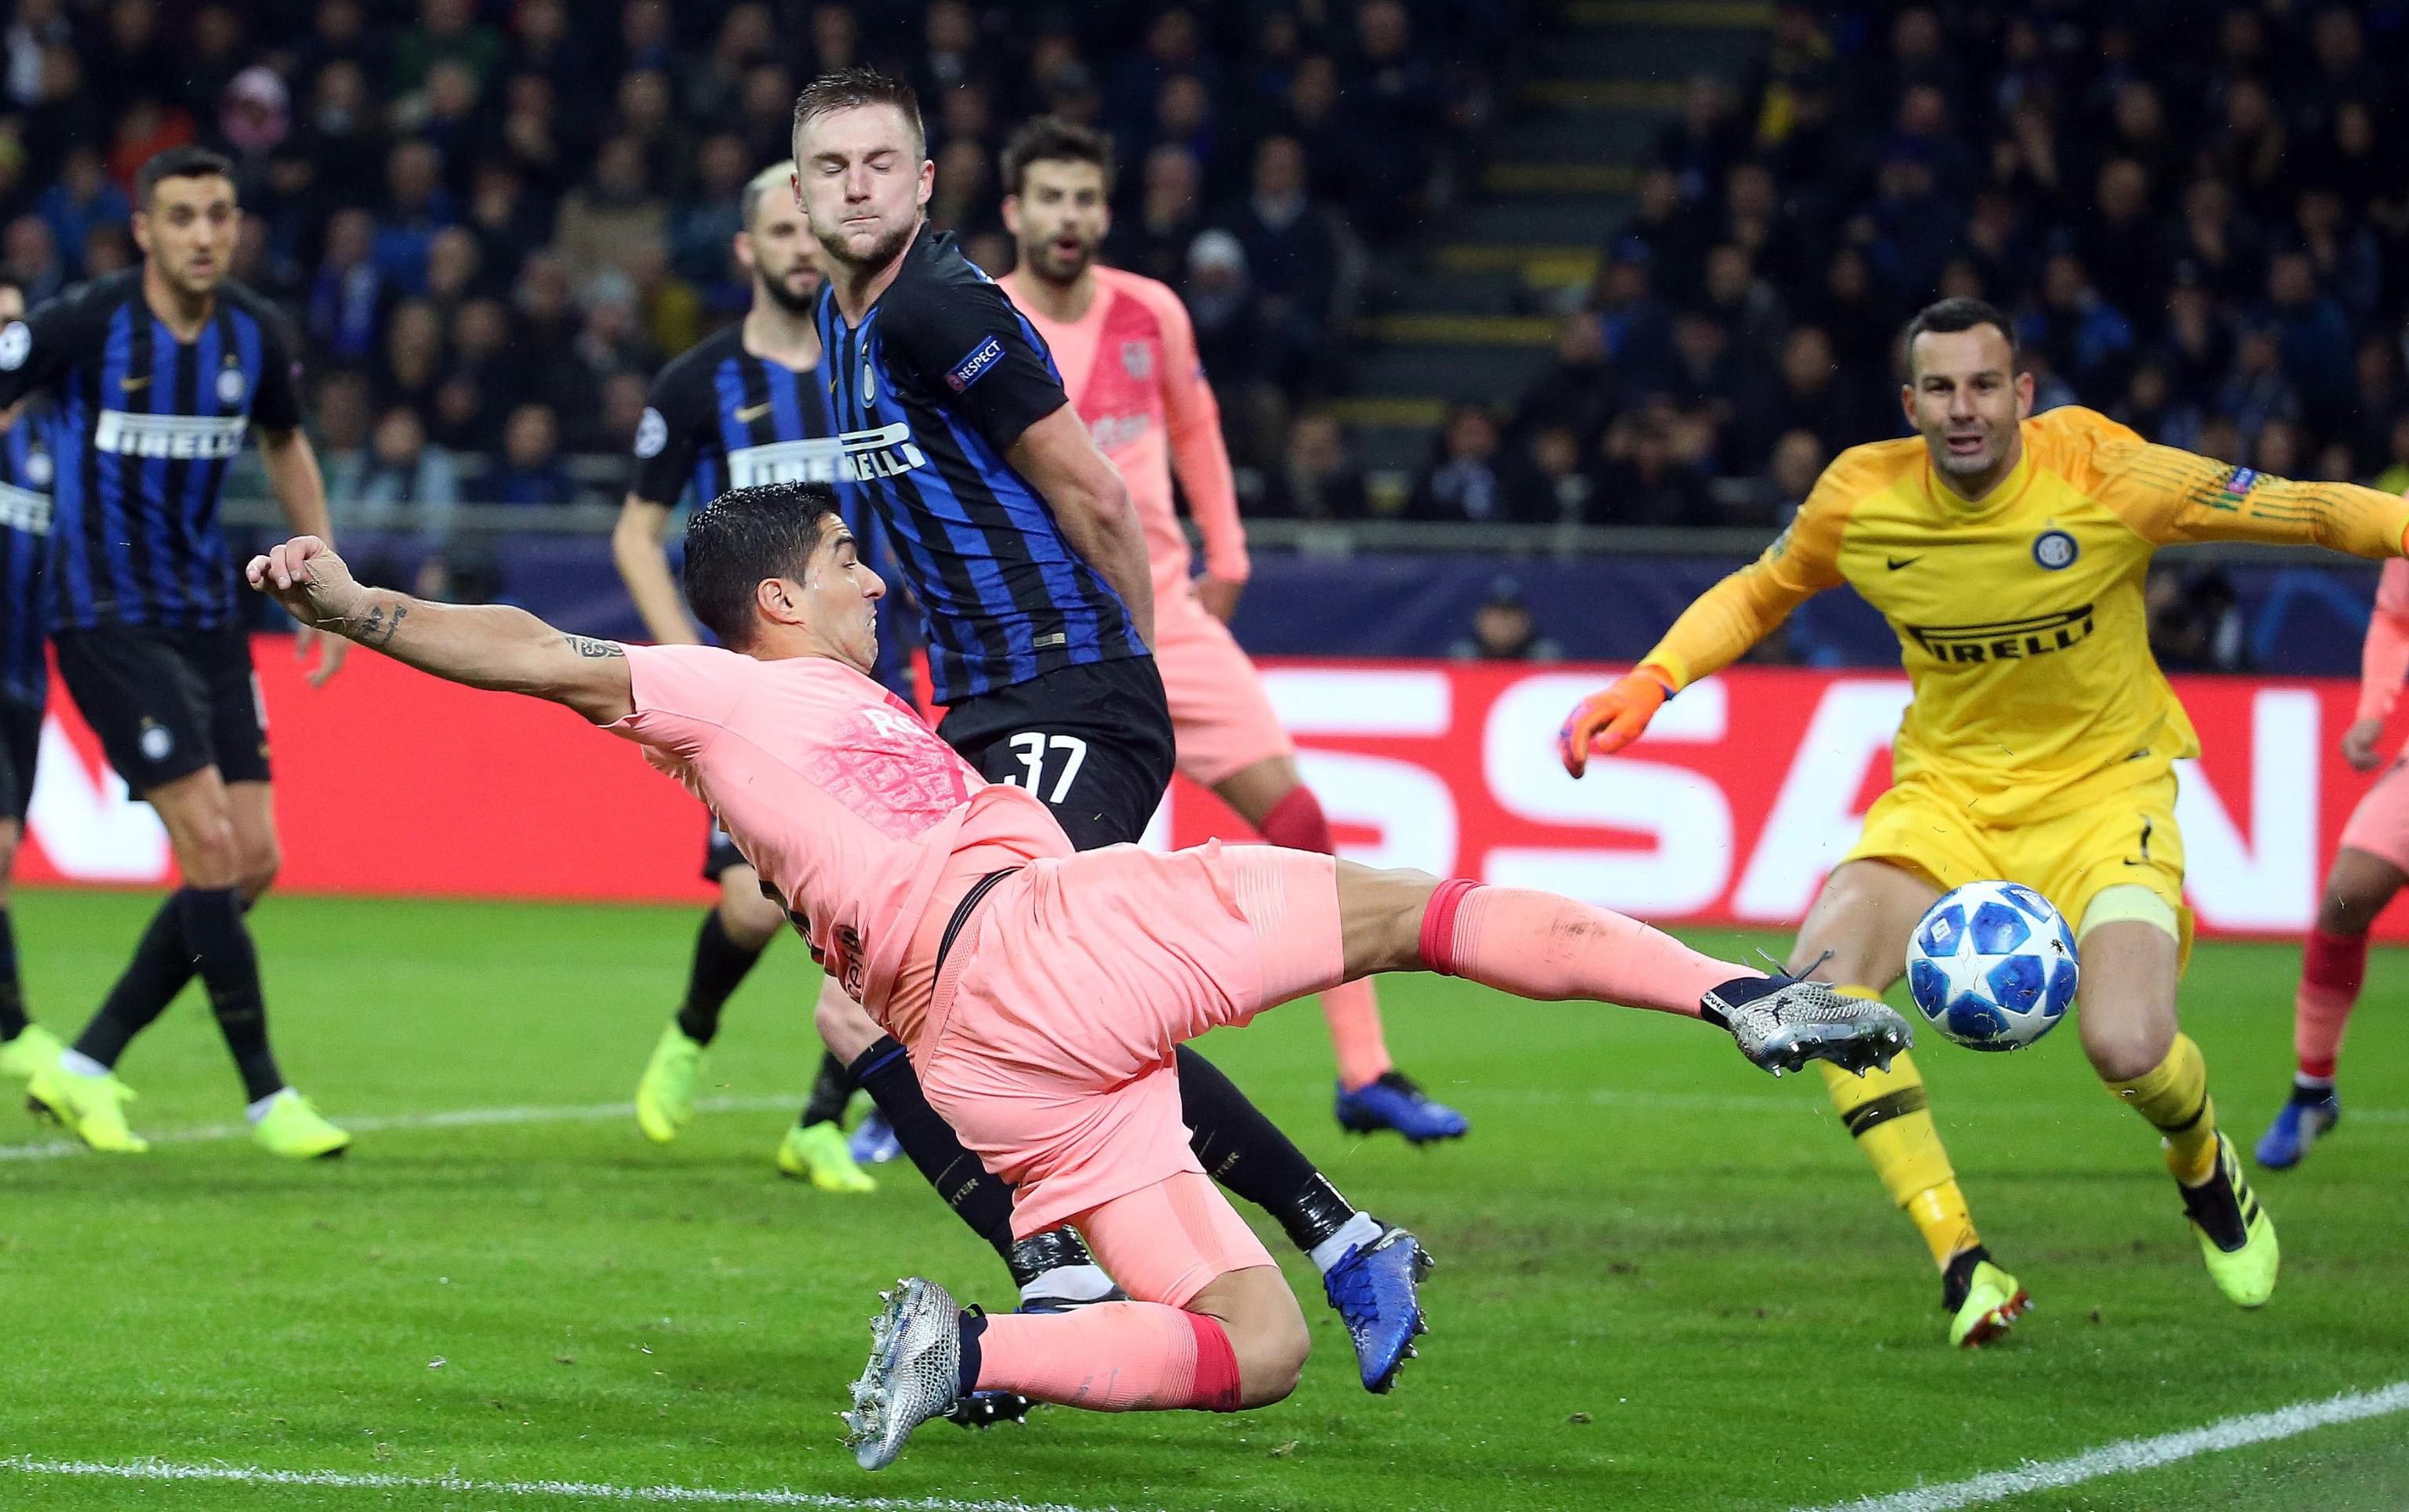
[146,426]
[26,467]
[931,390]
[718,417]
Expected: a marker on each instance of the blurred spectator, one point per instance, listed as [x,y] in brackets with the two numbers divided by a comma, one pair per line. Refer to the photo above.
[1502,629]
[1545,485]
[1576,393]
[1462,481]
[447,31]
[348,294]
[611,210]
[2196,622]
[530,471]
[2311,329]
[400,481]
[1293,260]
[32,255]
[2151,408]
[1798,459]
[1170,211]
[2087,340]
[1316,479]
[81,201]
[411,360]
[2394,478]
[416,206]
[1646,481]
[2259,389]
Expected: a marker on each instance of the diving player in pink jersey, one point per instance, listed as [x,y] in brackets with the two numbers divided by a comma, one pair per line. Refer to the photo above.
[1040,990]
[2371,867]
[1127,354]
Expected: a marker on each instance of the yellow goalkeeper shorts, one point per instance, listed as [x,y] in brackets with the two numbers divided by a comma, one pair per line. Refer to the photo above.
[2128,839]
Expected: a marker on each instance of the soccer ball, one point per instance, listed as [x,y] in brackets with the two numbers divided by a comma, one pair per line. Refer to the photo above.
[1992,965]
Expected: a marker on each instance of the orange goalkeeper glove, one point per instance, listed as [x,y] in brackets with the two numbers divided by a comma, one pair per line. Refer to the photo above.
[1605,723]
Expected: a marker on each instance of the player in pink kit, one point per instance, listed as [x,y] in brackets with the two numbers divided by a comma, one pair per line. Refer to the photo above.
[1127,354]
[2371,867]
[1041,991]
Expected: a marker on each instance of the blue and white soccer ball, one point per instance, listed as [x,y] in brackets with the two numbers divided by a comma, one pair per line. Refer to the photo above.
[1993,966]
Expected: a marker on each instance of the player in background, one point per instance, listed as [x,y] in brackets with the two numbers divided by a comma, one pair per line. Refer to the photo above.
[2040,746]
[159,372]
[747,406]
[1044,990]
[25,473]
[2370,868]
[1018,542]
[1128,357]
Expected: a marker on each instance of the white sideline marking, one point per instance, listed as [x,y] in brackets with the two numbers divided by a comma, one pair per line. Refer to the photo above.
[586,1490]
[403,1122]
[2133,1454]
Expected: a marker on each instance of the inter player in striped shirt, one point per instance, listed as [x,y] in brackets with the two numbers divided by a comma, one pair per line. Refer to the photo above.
[159,373]
[747,406]
[1128,357]
[26,472]
[1017,538]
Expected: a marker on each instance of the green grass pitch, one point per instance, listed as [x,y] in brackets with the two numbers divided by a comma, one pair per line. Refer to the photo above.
[1667,1280]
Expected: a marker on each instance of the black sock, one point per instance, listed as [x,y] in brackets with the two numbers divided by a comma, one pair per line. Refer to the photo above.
[977,1197]
[228,966]
[1244,1151]
[159,969]
[12,990]
[720,966]
[830,1091]
[974,1324]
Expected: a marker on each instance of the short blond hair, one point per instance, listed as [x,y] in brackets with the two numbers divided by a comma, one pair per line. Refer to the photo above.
[776,176]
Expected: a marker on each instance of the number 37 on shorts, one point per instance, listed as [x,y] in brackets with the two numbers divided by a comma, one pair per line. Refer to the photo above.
[1043,756]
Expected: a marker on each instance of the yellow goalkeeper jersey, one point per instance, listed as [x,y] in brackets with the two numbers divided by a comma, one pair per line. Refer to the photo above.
[2020,618]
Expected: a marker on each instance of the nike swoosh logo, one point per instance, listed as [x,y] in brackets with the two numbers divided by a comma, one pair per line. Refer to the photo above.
[1897,562]
[130,385]
[750,414]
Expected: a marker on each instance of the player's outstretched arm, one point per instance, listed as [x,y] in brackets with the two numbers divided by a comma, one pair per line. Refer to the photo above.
[1092,504]
[2165,496]
[483,645]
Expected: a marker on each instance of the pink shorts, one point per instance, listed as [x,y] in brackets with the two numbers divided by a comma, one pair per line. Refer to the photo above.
[1167,1241]
[1053,1022]
[2380,824]
[1220,714]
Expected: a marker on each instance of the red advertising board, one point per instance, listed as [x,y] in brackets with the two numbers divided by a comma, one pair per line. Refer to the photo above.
[1743,793]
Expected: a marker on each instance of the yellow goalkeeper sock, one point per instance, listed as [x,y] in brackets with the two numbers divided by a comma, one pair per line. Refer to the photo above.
[2174,1097]
[1887,1112]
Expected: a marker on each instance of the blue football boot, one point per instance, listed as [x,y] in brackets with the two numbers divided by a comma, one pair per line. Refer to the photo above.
[1374,1290]
[1393,1102]
[2310,1115]
[873,1142]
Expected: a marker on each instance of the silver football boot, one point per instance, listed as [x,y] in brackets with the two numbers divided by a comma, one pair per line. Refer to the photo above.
[914,1374]
[1782,1022]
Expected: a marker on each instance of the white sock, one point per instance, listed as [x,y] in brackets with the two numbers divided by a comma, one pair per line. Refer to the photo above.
[2312,1083]
[80,1064]
[1363,1231]
[258,1110]
[1068,1283]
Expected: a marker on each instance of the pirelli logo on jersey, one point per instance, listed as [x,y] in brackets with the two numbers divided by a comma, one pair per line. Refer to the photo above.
[2007,640]
[856,456]
[178,437]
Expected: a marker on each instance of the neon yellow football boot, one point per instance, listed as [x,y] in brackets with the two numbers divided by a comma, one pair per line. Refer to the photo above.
[93,1108]
[292,1128]
[2237,1238]
[1992,1303]
[818,1153]
[33,1050]
[665,1096]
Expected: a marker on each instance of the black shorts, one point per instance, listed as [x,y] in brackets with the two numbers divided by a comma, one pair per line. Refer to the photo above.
[719,853]
[20,744]
[167,702]
[1093,740]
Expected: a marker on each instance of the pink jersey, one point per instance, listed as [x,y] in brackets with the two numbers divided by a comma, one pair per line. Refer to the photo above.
[837,795]
[1131,368]
[2384,658]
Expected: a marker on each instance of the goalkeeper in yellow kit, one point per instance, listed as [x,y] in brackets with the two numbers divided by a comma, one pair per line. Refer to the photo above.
[2008,551]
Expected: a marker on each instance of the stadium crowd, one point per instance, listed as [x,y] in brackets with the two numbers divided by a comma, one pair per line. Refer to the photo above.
[493,219]
[2197,217]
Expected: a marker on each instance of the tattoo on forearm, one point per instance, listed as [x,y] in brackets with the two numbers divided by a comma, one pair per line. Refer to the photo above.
[379,629]
[593,650]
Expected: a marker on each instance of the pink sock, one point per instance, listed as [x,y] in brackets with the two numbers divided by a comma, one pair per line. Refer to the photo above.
[1352,1011]
[2334,967]
[1537,946]
[1113,1357]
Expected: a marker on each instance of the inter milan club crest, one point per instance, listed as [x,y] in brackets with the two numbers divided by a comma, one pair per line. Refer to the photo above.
[2054,550]
[1138,360]
[230,385]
